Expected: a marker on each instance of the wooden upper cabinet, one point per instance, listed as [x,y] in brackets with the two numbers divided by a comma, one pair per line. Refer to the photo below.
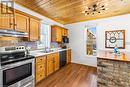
[59,35]
[65,32]
[21,22]
[6,20]
[34,33]
[56,34]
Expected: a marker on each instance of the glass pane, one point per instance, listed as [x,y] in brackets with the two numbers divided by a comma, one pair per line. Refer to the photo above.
[91,46]
[45,36]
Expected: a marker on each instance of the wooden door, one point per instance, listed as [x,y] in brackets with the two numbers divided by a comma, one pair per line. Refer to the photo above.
[69,56]
[6,21]
[50,64]
[56,34]
[21,22]
[59,35]
[65,32]
[53,33]
[56,61]
[34,30]
[40,68]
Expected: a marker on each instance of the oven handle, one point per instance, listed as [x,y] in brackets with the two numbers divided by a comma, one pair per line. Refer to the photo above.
[17,64]
[27,84]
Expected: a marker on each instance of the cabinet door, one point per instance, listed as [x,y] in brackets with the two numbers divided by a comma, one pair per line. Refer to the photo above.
[50,64]
[56,61]
[53,33]
[59,35]
[40,68]
[65,32]
[21,22]
[34,30]
[56,34]
[6,20]
[69,56]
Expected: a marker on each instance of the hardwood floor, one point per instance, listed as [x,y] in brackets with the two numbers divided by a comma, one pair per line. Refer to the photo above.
[72,75]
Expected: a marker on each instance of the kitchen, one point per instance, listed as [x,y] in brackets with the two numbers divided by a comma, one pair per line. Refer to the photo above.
[68,43]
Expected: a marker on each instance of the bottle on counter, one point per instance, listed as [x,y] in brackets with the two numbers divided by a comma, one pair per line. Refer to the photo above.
[116,49]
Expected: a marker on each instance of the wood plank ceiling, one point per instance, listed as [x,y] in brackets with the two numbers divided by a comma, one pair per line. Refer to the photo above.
[70,11]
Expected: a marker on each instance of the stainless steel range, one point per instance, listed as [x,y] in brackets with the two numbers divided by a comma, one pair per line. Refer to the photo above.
[17,67]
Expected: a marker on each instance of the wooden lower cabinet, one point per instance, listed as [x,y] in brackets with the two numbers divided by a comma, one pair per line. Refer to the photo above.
[69,56]
[52,63]
[56,61]
[50,66]
[40,68]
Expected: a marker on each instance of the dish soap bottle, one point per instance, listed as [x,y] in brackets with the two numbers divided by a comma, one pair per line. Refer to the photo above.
[116,50]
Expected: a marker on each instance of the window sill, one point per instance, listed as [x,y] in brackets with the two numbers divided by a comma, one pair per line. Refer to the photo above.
[91,56]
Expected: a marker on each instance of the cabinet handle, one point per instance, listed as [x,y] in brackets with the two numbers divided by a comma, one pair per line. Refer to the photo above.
[40,66]
[11,23]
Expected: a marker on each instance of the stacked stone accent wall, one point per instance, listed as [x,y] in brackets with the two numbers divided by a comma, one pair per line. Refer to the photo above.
[113,73]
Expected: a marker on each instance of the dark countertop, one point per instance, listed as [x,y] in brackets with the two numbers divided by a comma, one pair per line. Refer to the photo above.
[112,56]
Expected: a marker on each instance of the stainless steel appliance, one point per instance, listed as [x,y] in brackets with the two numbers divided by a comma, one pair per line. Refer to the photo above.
[13,33]
[65,39]
[17,67]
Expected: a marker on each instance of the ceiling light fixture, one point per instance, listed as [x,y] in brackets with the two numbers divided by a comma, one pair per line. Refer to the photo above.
[95,8]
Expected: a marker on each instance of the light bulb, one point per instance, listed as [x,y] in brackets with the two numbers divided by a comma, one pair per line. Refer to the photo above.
[106,9]
[86,7]
[83,11]
[97,3]
[86,14]
[106,4]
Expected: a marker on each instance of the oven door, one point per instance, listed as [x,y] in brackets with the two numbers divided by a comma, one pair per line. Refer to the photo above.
[18,74]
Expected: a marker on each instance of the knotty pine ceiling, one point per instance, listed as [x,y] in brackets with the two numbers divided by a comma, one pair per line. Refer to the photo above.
[70,11]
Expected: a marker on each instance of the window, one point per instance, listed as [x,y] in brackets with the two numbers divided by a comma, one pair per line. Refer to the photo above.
[45,35]
[91,46]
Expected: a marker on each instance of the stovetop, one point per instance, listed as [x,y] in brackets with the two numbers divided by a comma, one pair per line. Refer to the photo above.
[13,60]
[13,54]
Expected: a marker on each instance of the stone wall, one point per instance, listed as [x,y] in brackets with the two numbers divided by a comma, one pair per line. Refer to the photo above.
[113,73]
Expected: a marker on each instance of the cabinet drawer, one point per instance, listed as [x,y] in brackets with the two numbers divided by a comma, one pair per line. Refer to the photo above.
[39,77]
[40,71]
[40,60]
[39,68]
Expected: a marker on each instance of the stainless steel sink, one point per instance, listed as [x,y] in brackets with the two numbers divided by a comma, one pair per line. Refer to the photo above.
[43,51]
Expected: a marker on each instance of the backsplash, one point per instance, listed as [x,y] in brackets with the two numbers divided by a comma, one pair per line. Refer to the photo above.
[11,41]
[54,45]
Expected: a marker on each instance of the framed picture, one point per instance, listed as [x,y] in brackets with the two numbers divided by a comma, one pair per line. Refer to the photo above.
[115,38]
